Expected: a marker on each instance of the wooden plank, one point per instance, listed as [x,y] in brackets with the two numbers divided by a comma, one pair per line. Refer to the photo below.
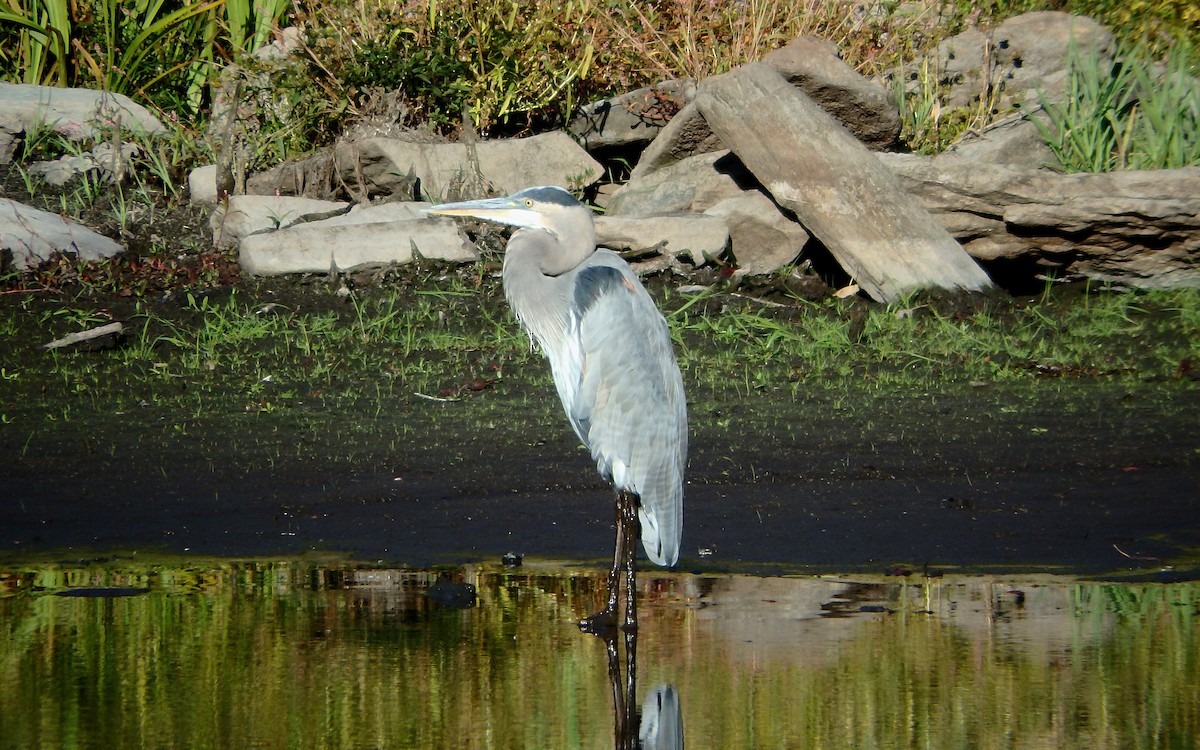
[838,189]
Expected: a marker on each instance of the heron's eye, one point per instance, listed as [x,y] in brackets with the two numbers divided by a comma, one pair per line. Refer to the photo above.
[528,203]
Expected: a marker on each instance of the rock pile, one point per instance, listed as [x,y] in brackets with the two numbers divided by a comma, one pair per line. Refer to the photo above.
[769,163]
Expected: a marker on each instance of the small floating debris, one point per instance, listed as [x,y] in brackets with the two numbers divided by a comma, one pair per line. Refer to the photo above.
[512,559]
[103,592]
[439,399]
[91,340]
[447,593]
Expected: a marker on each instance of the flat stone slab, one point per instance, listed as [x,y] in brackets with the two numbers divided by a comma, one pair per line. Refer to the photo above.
[839,190]
[389,165]
[1140,228]
[701,238]
[251,214]
[33,235]
[372,236]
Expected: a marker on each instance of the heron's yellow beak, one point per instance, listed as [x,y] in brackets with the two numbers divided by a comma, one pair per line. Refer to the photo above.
[509,211]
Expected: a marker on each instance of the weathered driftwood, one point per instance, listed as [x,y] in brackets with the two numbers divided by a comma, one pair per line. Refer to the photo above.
[95,339]
[837,188]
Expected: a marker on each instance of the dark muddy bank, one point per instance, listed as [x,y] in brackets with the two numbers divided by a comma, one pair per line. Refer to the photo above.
[871,471]
[1076,477]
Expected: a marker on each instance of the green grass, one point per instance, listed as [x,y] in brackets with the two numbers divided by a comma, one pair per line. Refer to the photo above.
[749,348]
[453,340]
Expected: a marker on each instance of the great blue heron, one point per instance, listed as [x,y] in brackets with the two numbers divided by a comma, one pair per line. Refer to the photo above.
[613,364]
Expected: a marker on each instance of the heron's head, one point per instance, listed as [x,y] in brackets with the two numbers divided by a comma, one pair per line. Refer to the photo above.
[549,208]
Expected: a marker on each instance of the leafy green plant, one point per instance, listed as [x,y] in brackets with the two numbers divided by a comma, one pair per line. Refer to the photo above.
[1166,133]
[921,110]
[494,61]
[39,34]
[1127,115]
[159,52]
[250,22]
[1090,129]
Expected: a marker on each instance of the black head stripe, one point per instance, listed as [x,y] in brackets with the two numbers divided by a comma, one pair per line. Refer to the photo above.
[549,194]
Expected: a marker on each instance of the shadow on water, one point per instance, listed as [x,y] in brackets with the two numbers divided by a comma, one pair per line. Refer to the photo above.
[195,653]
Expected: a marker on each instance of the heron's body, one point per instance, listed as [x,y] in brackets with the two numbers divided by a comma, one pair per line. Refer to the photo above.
[610,352]
[609,349]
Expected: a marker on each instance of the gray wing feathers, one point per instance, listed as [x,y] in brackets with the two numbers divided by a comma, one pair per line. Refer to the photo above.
[629,405]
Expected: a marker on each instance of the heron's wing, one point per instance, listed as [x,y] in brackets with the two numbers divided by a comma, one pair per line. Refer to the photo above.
[629,404]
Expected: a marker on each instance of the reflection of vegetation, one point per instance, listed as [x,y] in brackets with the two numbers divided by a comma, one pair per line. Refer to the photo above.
[303,655]
[279,655]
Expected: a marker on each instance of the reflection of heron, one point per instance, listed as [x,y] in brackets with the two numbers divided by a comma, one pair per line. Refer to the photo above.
[614,368]
[660,725]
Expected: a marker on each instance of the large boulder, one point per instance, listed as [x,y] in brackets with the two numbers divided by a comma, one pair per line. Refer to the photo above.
[363,238]
[762,237]
[863,107]
[1002,68]
[32,236]
[815,169]
[75,114]
[440,171]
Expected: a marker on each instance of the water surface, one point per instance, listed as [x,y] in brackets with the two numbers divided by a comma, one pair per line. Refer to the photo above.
[331,655]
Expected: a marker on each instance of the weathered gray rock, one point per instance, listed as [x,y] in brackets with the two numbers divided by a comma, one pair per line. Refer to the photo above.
[386,166]
[33,235]
[864,107]
[844,196]
[718,185]
[686,135]
[701,238]
[694,183]
[202,185]
[103,161]
[373,236]
[73,113]
[1136,228]
[632,118]
[1014,142]
[763,239]
[250,214]
[1007,64]
[1032,50]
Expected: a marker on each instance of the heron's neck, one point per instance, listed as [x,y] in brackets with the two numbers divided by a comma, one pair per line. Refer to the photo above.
[537,283]
[562,255]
